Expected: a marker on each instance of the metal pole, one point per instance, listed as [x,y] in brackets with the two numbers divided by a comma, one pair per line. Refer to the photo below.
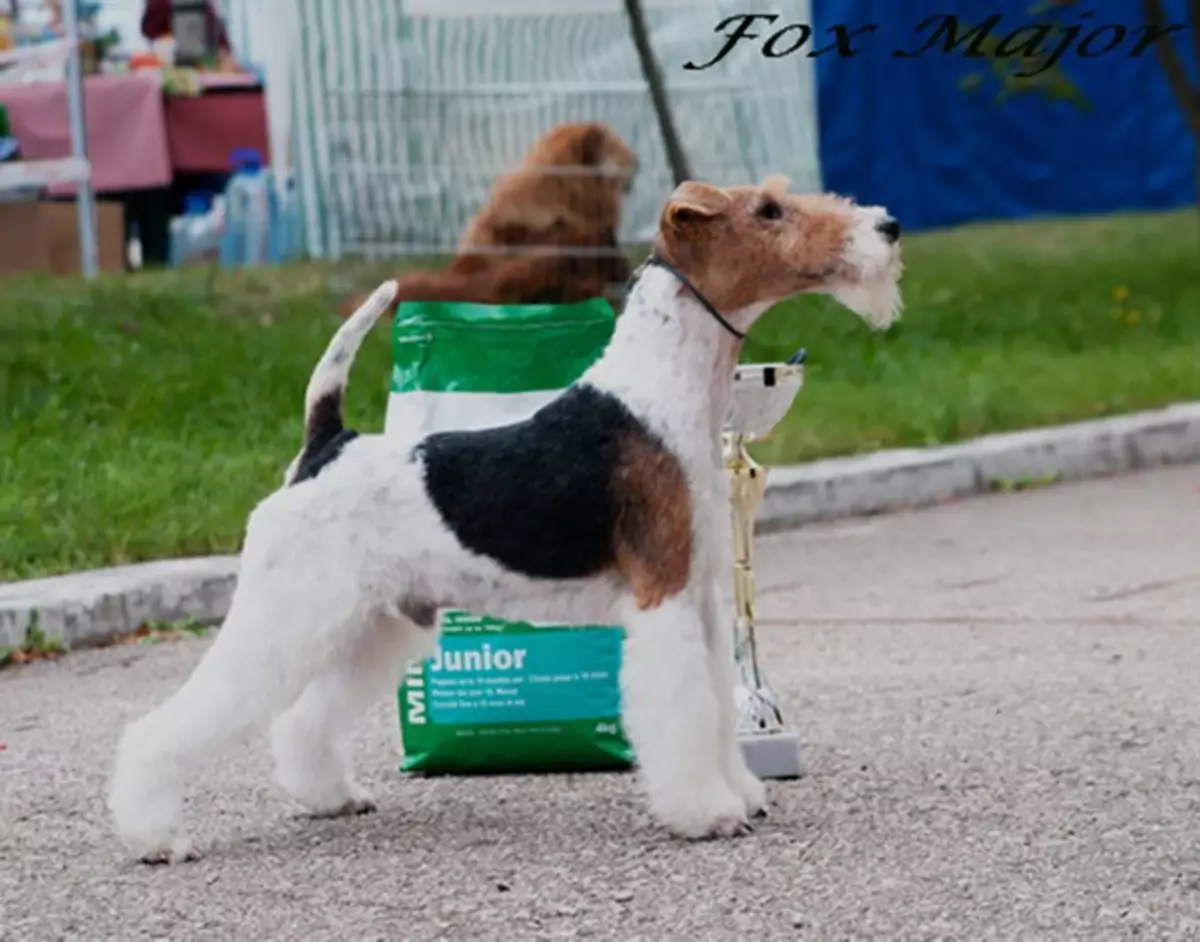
[85,197]
[680,167]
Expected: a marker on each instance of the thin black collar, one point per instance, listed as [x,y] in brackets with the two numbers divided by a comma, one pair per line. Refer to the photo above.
[705,303]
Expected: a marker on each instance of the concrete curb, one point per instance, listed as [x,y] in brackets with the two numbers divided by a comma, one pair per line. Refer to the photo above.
[95,606]
[909,478]
[91,607]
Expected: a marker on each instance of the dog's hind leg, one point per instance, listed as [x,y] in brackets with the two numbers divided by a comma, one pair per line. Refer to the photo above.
[257,664]
[308,739]
[672,716]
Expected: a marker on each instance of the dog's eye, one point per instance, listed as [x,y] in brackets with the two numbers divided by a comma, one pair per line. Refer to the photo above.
[770,210]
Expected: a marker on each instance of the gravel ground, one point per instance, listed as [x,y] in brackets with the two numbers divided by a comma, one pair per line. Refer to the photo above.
[1000,706]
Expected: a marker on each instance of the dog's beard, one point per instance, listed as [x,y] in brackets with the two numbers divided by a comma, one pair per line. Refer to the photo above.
[872,290]
[876,300]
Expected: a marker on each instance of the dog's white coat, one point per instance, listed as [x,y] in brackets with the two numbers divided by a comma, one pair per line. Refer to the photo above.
[315,633]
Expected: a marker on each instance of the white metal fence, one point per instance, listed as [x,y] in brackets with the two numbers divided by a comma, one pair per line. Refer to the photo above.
[397,115]
[405,111]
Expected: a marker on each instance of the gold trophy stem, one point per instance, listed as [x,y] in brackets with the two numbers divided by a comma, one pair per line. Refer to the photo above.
[748,483]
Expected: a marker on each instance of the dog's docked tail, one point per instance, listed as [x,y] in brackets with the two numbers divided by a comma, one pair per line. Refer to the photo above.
[323,424]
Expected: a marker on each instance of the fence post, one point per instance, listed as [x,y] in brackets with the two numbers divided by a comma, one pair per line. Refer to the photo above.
[85,198]
[681,170]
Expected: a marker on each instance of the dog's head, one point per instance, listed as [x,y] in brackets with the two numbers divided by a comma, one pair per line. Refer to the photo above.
[748,247]
[591,145]
[591,167]
[575,175]
[602,148]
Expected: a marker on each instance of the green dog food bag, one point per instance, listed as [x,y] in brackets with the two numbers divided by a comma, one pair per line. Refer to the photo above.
[503,696]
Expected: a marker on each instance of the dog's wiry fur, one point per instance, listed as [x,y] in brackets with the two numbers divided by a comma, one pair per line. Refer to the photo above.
[567,193]
[608,505]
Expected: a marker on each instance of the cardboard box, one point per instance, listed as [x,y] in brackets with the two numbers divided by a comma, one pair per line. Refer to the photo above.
[44,237]
[23,247]
[62,227]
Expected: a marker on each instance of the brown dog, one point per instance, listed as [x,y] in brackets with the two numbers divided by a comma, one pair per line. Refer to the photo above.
[572,182]
[547,233]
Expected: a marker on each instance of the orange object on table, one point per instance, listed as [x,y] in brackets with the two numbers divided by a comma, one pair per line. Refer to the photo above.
[144,60]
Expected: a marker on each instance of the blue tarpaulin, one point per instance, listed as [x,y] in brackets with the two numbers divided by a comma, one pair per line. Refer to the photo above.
[904,133]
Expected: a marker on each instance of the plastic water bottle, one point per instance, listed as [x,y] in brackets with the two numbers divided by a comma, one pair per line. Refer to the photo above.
[208,230]
[248,212]
[196,235]
[284,222]
[232,237]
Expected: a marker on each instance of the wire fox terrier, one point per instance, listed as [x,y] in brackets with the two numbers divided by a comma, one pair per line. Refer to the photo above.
[609,505]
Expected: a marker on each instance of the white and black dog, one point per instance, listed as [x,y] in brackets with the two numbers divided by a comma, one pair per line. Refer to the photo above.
[608,505]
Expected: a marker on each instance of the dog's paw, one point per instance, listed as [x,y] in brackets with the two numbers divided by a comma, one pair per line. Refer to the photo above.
[180,851]
[731,825]
[359,803]
[721,814]
[754,794]
[363,805]
[752,789]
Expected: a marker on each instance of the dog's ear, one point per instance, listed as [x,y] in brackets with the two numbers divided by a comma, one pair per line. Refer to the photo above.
[694,203]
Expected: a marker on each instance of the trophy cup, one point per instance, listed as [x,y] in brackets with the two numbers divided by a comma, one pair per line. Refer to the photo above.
[762,395]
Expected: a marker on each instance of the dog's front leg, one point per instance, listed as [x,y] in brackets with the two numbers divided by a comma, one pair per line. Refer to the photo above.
[719,638]
[672,716]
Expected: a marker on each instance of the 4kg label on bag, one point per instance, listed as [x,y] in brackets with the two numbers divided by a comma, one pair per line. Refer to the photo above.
[515,697]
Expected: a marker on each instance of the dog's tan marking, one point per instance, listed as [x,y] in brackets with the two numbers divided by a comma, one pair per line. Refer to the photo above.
[653,537]
[737,257]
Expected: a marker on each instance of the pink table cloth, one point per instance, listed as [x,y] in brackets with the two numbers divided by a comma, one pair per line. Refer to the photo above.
[126,128]
[203,132]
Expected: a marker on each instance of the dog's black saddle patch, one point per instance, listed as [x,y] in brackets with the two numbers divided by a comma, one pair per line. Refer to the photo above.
[536,495]
[325,437]
[313,461]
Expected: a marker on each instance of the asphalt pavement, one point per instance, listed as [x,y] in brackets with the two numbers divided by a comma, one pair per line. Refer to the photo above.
[999,702]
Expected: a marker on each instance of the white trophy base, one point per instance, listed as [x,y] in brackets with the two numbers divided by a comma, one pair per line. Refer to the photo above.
[771,748]
[774,755]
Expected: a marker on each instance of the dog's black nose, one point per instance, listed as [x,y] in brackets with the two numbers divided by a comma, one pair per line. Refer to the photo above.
[890,228]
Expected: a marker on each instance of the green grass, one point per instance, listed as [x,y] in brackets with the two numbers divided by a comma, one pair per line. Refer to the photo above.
[145,416]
